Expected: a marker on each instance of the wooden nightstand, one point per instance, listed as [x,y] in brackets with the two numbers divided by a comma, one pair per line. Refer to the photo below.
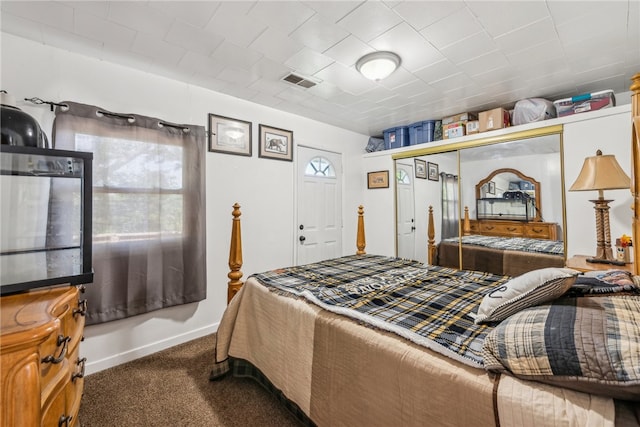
[579,262]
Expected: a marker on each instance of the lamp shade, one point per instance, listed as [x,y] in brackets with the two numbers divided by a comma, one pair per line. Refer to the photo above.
[601,172]
[378,65]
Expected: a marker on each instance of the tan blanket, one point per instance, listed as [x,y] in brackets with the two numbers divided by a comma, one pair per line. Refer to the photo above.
[343,374]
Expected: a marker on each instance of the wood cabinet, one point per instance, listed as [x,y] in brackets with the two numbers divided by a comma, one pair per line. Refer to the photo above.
[42,375]
[579,262]
[537,230]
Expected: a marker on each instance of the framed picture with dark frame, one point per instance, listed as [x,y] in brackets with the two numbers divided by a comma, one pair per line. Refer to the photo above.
[433,172]
[491,187]
[421,168]
[229,136]
[276,143]
[379,179]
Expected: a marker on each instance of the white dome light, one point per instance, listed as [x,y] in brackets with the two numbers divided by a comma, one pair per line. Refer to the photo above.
[378,65]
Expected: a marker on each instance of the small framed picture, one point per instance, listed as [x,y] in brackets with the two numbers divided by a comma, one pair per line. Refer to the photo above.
[433,172]
[491,188]
[276,143]
[379,179]
[230,136]
[421,168]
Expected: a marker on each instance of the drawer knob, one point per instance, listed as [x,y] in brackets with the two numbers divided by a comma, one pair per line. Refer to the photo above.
[62,341]
[64,420]
[80,374]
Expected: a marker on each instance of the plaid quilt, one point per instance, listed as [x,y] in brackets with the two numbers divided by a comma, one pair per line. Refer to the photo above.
[432,306]
[523,244]
[587,344]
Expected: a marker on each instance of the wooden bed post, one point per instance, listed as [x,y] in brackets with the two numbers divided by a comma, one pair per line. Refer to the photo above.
[360,240]
[466,224]
[235,255]
[431,235]
[635,168]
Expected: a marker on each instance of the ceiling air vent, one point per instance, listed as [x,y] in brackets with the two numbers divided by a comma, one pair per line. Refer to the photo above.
[298,81]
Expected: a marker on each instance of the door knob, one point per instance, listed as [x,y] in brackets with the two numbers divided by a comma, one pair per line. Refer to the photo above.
[302,238]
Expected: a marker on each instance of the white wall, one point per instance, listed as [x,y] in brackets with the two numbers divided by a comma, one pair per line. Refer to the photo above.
[609,130]
[612,135]
[264,188]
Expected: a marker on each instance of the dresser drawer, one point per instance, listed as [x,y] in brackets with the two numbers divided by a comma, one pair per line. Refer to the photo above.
[540,231]
[76,385]
[53,355]
[501,229]
[54,410]
[71,314]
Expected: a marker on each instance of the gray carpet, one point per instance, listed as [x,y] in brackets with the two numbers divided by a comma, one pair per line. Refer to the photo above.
[172,388]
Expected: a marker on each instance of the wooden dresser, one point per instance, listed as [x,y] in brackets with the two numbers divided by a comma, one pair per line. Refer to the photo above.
[42,372]
[503,228]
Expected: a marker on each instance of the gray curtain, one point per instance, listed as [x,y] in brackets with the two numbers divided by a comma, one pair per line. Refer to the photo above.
[148,209]
[450,219]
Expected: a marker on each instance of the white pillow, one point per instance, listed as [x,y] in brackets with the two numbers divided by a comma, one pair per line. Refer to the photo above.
[526,290]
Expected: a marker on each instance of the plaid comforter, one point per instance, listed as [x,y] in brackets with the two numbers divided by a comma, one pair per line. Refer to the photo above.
[523,244]
[587,344]
[432,306]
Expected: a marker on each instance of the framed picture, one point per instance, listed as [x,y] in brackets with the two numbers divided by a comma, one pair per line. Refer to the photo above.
[276,143]
[433,172]
[421,169]
[230,136]
[379,179]
[491,188]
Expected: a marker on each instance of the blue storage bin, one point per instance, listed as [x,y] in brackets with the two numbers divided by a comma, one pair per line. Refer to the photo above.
[396,137]
[421,132]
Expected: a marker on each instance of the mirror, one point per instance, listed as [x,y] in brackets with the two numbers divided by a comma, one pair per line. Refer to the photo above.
[508,194]
[469,171]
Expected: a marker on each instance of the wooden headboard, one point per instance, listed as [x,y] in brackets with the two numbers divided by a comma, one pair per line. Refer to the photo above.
[235,249]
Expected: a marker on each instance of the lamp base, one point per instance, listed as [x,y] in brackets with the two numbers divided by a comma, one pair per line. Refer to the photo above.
[605,261]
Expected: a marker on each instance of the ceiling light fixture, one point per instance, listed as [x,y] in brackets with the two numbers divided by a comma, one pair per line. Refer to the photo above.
[378,65]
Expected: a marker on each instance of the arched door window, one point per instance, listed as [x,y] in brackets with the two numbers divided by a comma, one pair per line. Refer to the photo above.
[320,167]
[403,177]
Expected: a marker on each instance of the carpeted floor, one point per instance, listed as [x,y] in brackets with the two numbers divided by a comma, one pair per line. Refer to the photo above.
[172,388]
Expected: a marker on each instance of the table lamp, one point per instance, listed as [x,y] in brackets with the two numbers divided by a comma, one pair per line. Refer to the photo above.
[602,172]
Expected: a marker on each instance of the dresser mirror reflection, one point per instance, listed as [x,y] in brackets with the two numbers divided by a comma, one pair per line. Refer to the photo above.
[508,194]
[505,193]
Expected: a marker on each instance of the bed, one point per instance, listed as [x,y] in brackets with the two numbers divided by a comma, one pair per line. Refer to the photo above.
[335,342]
[344,365]
[498,247]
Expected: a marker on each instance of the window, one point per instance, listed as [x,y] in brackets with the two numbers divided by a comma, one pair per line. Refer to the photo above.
[137,188]
[148,209]
[403,177]
[320,167]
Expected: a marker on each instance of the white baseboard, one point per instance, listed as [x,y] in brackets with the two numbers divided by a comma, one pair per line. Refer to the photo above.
[136,353]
